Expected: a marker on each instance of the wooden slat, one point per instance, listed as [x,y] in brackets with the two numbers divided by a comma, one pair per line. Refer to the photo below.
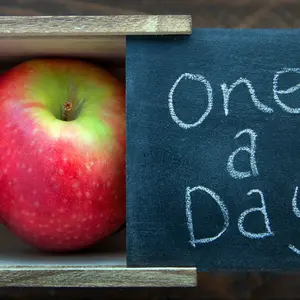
[94,25]
[104,265]
[97,277]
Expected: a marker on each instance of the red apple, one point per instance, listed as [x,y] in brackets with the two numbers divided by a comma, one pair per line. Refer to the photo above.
[62,153]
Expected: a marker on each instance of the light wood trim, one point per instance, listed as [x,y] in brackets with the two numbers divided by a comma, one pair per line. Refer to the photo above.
[95,25]
[97,277]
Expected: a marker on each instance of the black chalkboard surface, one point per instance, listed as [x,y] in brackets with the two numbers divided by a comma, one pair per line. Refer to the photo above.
[213,150]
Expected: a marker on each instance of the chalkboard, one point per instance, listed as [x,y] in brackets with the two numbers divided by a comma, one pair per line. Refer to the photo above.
[213,150]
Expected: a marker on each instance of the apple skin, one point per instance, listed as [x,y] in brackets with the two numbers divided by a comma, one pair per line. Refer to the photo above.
[62,183]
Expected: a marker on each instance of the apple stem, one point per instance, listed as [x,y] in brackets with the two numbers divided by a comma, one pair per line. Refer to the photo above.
[67,108]
[72,108]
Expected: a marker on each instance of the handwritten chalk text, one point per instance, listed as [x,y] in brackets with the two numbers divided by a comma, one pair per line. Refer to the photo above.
[227,91]
[192,193]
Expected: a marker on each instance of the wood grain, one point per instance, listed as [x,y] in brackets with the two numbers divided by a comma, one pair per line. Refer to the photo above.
[94,25]
[84,276]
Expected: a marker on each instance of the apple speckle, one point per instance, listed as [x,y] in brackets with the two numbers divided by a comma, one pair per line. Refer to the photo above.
[40,150]
[5,171]
[36,204]
[29,170]
[79,194]
[23,166]
[88,194]
[60,171]
[75,185]
[65,200]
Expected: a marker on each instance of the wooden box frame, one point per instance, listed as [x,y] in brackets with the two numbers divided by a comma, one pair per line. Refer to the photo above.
[101,39]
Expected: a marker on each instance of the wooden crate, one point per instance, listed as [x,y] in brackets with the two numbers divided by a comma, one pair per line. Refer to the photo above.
[101,39]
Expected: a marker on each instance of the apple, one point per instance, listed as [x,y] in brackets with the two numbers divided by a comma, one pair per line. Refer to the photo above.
[62,153]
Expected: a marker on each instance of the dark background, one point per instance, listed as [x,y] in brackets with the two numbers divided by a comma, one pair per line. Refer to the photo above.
[205,13]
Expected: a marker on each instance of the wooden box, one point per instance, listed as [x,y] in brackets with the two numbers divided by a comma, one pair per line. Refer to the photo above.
[101,40]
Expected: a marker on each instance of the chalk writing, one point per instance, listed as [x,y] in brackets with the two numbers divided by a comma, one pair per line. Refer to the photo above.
[230,167]
[226,96]
[222,206]
[294,249]
[263,210]
[297,213]
[208,87]
[277,92]
[230,164]
[294,203]
[227,91]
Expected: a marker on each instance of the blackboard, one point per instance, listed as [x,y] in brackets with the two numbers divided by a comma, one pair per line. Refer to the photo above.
[213,150]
